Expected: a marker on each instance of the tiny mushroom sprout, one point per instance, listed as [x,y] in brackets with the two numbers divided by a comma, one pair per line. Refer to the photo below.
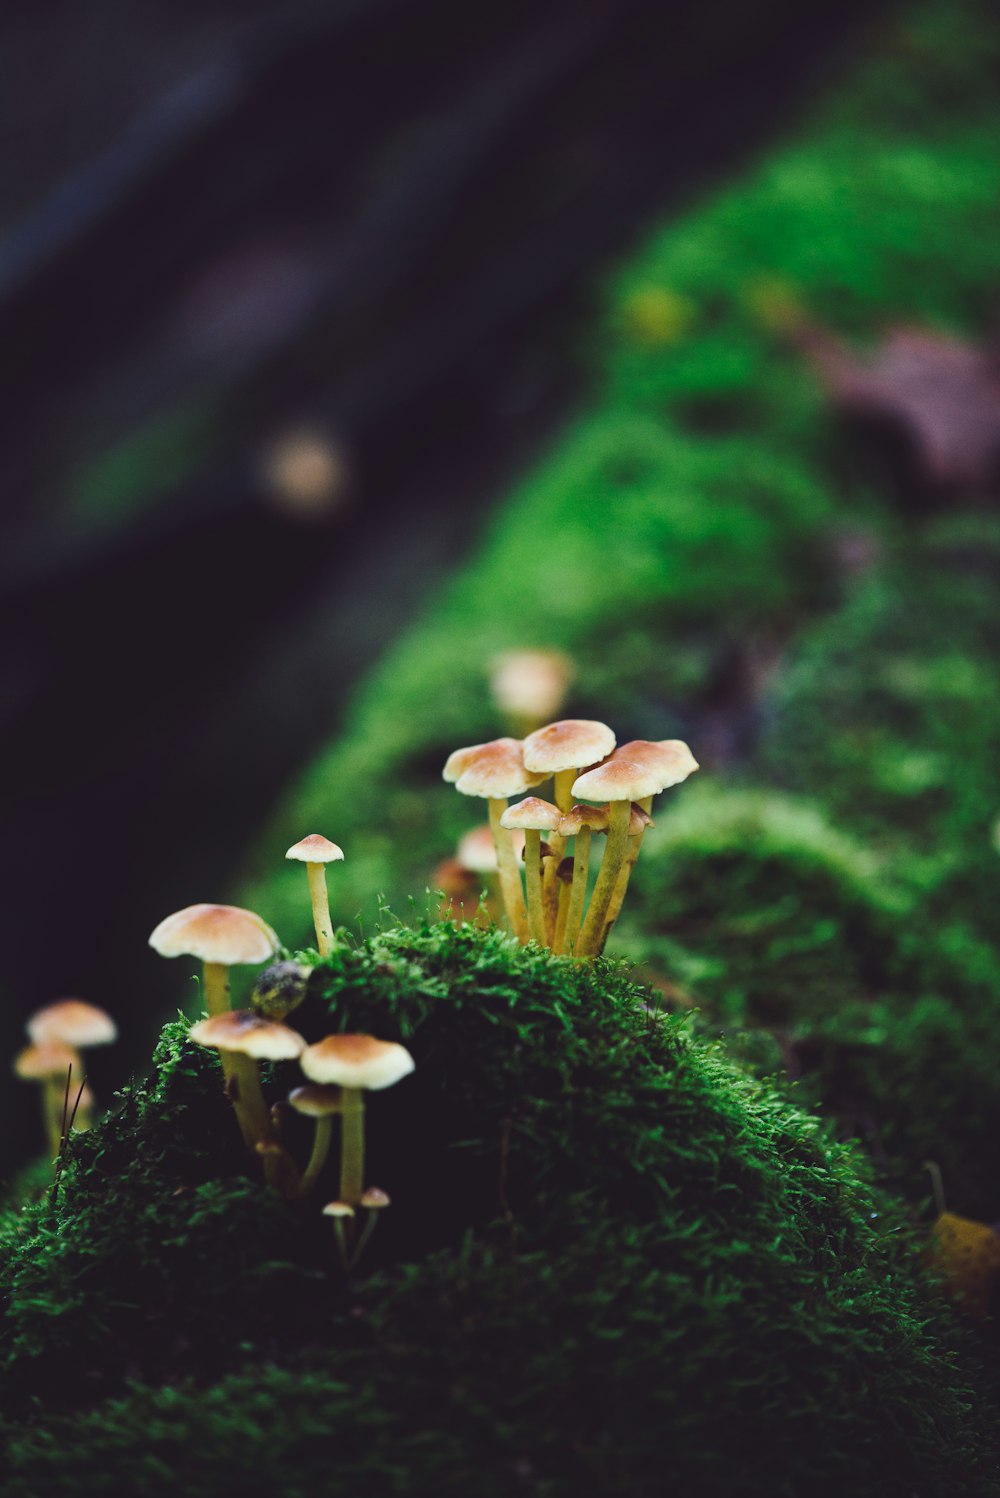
[636,771]
[356,1064]
[244,1038]
[222,936]
[533,816]
[563,749]
[496,771]
[342,1215]
[51,1063]
[316,851]
[319,1103]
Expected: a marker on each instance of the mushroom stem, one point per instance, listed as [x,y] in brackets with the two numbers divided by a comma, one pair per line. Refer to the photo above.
[247,1098]
[618,898]
[352,1145]
[320,1150]
[215,983]
[614,856]
[319,895]
[510,876]
[54,1090]
[533,880]
[557,895]
[366,1233]
[578,890]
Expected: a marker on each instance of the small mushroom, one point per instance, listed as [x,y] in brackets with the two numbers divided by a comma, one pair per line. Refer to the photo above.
[356,1064]
[580,822]
[51,1063]
[635,771]
[529,686]
[374,1201]
[320,1104]
[496,771]
[243,1038]
[343,1218]
[73,1022]
[221,935]
[563,749]
[533,816]
[316,851]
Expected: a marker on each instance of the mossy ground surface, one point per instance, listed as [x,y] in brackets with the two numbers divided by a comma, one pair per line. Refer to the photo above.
[606,1244]
[617,1260]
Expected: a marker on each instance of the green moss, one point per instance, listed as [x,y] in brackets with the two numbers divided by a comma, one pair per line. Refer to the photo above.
[606,1244]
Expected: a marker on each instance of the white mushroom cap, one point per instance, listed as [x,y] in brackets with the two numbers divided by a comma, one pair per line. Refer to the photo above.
[357,1061]
[315,849]
[338,1209]
[224,934]
[495,770]
[530,683]
[73,1022]
[315,1100]
[243,1031]
[532,814]
[570,744]
[637,770]
[51,1059]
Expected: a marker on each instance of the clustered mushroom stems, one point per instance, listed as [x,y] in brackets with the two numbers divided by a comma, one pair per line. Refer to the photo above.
[622,779]
[507,870]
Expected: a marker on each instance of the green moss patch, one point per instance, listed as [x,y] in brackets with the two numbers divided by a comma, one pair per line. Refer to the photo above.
[606,1245]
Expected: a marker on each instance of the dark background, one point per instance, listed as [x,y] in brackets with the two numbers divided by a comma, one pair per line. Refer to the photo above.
[378,222]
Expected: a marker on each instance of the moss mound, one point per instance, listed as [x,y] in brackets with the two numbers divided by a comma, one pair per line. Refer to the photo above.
[607,1245]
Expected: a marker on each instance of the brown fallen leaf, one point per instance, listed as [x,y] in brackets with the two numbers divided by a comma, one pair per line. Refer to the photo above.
[966,1254]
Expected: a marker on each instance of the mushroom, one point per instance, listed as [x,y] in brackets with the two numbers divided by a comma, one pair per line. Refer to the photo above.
[357,1064]
[563,749]
[243,1038]
[316,851]
[580,822]
[374,1201]
[675,760]
[221,935]
[496,771]
[534,816]
[73,1022]
[343,1215]
[529,686]
[635,771]
[320,1104]
[49,1062]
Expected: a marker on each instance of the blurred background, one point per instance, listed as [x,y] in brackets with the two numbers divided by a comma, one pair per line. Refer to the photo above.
[290,294]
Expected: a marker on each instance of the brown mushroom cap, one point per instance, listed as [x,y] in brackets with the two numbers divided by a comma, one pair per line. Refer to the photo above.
[495,770]
[243,1031]
[314,1100]
[532,814]
[570,744]
[477,850]
[375,1199]
[73,1022]
[578,817]
[224,934]
[637,770]
[49,1059]
[315,849]
[356,1061]
[530,683]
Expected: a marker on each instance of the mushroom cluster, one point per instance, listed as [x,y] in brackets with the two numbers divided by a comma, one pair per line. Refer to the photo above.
[58,1033]
[339,1068]
[582,760]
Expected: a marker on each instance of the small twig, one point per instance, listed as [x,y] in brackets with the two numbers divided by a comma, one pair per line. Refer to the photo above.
[68,1119]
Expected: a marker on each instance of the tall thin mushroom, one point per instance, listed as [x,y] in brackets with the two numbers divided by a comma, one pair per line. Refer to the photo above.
[533,816]
[356,1064]
[496,771]
[316,851]
[243,1038]
[563,749]
[622,779]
